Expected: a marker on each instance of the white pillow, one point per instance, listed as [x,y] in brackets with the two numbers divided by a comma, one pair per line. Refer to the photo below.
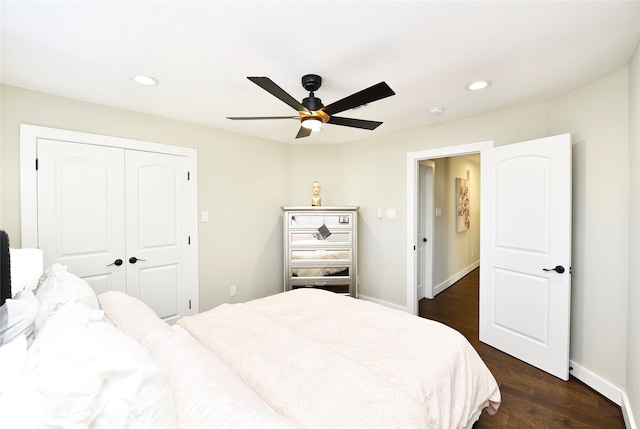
[88,374]
[56,287]
[130,315]
[17,317]
[207,393]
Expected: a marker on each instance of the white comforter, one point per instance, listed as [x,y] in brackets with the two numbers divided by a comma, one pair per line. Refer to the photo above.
[324,360]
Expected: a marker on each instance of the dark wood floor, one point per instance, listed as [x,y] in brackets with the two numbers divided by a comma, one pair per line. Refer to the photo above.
[530,398]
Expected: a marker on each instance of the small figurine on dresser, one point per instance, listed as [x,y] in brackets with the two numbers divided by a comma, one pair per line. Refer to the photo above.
[315,199]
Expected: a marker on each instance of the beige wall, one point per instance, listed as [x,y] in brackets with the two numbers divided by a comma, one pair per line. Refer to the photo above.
[243,182]
[376,175]
[454,252]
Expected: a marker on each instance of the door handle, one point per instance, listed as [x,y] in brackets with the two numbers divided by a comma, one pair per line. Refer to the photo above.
[117,263]
[558,269]
[424,240]
[133,260]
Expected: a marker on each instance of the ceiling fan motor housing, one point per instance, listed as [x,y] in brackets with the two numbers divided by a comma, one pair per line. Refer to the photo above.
[312,103]
[311,82]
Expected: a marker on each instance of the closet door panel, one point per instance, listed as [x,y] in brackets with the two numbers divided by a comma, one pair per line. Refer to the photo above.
[156,199]
[81,211]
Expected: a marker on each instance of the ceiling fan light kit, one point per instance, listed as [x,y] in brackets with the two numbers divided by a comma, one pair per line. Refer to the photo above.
[311,123]
[312,113]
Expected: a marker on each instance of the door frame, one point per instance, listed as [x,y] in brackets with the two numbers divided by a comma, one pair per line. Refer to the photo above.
[413,159]
[29,135]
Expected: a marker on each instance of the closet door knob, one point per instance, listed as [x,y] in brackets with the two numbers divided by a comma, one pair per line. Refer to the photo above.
[133,260]
[117,263]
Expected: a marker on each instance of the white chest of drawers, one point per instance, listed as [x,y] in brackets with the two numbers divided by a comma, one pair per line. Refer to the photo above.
[321,248]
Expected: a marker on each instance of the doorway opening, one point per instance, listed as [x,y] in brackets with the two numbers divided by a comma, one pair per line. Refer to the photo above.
[448,233]
[414,204]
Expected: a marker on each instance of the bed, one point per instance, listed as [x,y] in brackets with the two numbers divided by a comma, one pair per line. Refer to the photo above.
[304,358]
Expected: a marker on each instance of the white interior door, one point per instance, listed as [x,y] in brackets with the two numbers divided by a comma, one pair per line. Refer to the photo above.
[421,240]
[424,242]
[157,238]
[81,211]
[526,233]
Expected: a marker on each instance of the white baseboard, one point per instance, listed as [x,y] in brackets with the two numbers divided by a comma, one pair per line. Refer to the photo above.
[597,383]
[608,390]
[457,276]
[384,303]
[629,421]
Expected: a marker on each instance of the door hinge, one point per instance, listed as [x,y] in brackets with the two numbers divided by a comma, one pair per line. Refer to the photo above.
[189,304]
[188,175]
[189,240]
[36,164]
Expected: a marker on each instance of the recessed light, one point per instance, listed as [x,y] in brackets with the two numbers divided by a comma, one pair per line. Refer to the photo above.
[436,110]
[145,80]
[478,85]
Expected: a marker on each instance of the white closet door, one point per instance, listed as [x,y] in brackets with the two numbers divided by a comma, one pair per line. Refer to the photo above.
[157,239]
[118,219]
[81,211]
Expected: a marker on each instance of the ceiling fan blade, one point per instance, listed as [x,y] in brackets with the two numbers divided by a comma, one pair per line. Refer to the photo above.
[369,95]
[269,86]
[303,132]
[251,118]
[356,123]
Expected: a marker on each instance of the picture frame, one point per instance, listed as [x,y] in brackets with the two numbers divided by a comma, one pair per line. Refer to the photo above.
[463,221]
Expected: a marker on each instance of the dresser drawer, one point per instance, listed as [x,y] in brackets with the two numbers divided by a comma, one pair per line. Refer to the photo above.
[314,239]
[315,220]
[340,288]
[322,272]
[315,255]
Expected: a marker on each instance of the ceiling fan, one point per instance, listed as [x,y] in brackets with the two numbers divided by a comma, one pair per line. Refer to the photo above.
[312,113]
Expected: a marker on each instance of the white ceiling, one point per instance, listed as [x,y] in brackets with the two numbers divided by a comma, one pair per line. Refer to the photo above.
[202,52]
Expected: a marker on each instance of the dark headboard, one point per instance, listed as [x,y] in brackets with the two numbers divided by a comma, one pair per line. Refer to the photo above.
[5,268]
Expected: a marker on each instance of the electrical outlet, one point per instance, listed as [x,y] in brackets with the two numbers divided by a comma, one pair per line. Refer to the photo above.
[233,290]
